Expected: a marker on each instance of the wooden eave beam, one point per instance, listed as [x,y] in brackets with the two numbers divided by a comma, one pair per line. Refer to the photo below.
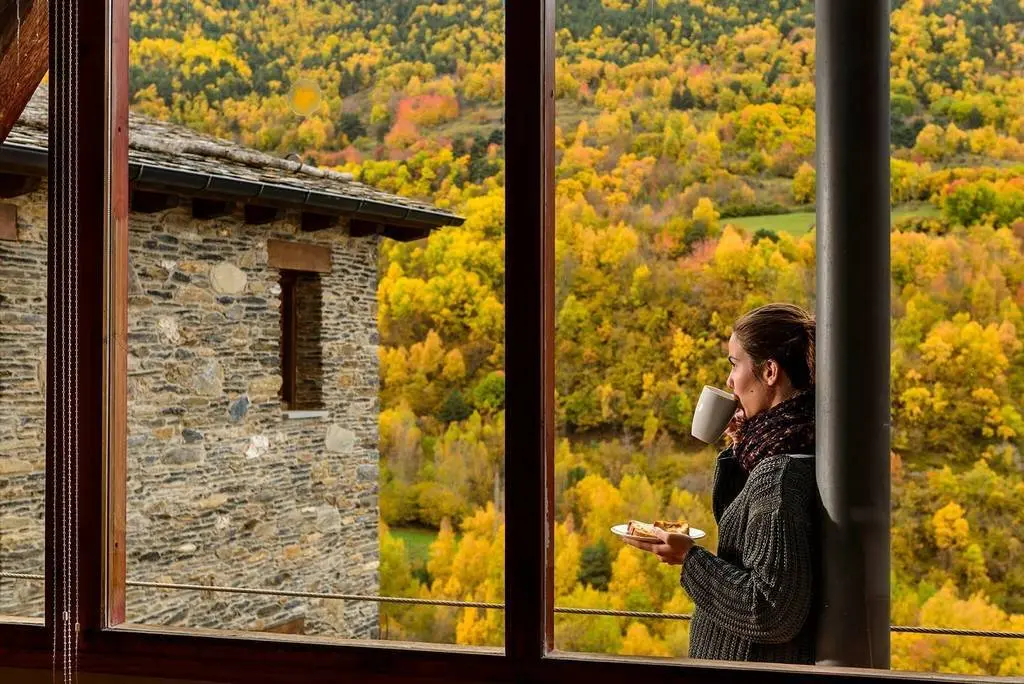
[396,230]
[312,222]
[405,233]
[24,56]
[16,184]
[204,209]
[363,228]
[149,202]
[258,215]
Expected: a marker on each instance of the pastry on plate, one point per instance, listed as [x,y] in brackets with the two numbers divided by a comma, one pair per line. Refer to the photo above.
[644,530]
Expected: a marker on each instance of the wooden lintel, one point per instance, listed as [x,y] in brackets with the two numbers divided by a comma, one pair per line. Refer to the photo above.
[8,222]
[24,57]
[15,184]
[313,222]
[298,256]
[204,209]
[149,202]
[258,215]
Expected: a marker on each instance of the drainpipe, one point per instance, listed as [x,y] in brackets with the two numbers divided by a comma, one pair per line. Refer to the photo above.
[852,38]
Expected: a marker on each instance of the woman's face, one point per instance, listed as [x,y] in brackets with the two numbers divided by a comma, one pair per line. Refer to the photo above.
[755,394]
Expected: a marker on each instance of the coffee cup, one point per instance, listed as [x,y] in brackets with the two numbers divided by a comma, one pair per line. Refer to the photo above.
[715,409]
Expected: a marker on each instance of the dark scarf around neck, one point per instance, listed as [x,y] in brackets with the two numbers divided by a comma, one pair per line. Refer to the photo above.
[787,428]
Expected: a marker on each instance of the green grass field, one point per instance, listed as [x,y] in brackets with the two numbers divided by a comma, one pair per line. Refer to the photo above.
[800,222]
[417,542]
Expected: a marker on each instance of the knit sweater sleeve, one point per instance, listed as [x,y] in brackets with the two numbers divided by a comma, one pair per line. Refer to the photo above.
[767,597]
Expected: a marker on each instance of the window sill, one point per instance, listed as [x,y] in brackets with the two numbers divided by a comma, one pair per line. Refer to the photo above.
[600,667]
[306,415]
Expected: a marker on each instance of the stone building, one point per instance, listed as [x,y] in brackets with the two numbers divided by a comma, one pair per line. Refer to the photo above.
[253,379]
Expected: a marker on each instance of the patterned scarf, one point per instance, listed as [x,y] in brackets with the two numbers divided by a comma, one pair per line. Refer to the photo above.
[785,429]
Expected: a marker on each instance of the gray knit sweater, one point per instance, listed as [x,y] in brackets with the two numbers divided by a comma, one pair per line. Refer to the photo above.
[756,599]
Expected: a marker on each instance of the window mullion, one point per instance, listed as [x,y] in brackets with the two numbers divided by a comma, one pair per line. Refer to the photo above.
[116,353]
[529,121]
[76,305]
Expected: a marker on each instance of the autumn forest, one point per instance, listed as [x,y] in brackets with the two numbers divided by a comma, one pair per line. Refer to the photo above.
[685,188]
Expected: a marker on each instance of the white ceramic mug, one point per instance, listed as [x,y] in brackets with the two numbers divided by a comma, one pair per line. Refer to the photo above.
[715,409]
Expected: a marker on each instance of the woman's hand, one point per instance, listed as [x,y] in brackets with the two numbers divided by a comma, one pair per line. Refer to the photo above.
[672,548]
[732,430]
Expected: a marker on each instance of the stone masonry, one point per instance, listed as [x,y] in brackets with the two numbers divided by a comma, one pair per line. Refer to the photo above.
[23,406]
[223,487]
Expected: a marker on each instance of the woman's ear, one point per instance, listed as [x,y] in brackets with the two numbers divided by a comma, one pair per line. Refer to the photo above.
[771,372]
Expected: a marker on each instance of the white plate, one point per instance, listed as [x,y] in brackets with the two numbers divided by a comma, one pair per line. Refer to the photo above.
[695,532]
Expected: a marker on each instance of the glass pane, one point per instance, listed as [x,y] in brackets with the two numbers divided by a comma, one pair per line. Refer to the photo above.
[23,279]
[686,191]
[958,218]
[316,391]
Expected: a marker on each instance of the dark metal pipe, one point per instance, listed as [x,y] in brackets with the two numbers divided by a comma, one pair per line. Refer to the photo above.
[853,328]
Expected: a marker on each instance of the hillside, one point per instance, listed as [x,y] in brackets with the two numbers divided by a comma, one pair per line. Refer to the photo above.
[685,178]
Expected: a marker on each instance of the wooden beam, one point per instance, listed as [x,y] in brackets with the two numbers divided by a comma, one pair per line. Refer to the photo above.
[294,626]
[8,222]
[148,202]
[401,232]
[298,256]
[363,228]
[116,555]
[10,17]
[313,222]
[24,57]
[258,215]
[205,209]
[79,222]
[16,184]
[289,339]
[405,234]
[529,317]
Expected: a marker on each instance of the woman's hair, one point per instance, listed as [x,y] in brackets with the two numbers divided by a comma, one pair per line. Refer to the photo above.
[783,333]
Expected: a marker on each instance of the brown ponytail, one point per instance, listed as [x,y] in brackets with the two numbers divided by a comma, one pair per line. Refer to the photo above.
[784,333]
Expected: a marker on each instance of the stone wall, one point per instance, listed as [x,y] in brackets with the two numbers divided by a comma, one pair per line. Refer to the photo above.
[23,406]
[223,487]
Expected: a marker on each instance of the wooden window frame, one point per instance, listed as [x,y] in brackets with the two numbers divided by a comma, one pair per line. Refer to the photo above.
[107,644]
[289,362]
[292,259]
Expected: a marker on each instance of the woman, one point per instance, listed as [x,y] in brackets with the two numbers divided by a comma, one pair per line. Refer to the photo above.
[755,600]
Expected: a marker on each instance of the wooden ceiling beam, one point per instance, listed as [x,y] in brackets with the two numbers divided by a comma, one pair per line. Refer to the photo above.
[258,215]
[24,57]
[205,209]
[16,184]
[147,202]
[363,228]
[313,222]
[396,230]
[406,233]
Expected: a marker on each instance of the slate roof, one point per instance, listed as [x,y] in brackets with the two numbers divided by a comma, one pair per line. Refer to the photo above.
[176,157]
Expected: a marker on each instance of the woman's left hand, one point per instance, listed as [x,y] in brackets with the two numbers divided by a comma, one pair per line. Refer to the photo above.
[672,548]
